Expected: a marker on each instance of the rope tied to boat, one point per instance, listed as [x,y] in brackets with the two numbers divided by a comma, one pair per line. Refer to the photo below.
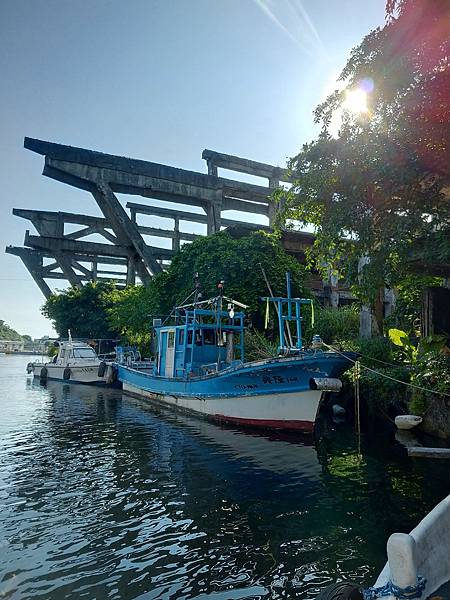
[389,589]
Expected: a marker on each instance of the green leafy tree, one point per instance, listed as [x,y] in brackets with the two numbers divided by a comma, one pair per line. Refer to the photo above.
[237,261]
[82,310]
[380,187]
[8,333]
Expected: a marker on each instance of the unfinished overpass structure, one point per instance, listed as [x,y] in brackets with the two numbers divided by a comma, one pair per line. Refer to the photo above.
[120,252]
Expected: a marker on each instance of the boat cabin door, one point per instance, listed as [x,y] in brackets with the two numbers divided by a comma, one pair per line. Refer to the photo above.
[170,352]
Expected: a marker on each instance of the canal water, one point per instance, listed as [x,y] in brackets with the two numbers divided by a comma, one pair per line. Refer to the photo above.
[103,496]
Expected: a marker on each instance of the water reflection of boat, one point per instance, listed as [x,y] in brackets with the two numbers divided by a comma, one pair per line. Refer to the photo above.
[274,452]
[278,452]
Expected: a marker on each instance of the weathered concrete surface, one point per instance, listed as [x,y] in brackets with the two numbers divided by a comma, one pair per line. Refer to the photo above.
[244,165]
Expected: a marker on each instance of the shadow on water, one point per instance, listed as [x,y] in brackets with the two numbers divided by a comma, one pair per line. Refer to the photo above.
[108,497]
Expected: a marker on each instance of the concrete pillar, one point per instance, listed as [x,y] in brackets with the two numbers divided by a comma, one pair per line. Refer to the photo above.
[365,314]
[213,212]
[274,183]
[389,301]
[176,238]
[212,168]
[131,271]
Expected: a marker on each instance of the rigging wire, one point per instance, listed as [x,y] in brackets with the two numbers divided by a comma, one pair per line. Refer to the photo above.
[413,385]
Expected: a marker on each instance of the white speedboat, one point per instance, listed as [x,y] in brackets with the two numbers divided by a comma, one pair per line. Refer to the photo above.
[76,362]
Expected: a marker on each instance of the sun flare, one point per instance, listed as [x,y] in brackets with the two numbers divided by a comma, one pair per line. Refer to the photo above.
[356,101]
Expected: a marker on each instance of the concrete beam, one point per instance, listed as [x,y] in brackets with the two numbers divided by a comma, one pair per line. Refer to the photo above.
[65,217]
[80,167]
[167,233]
[62,244]
[170,213]
[244,165]
[245,206]
[33,262]
[76,247]
[94,225]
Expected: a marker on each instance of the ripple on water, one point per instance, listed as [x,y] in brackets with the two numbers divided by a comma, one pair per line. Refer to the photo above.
[105,497]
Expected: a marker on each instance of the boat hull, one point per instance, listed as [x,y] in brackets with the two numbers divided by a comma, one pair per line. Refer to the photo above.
[295,411]
[86,374]
[272,394]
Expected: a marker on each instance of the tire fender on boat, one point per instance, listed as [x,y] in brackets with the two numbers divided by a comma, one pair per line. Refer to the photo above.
[325,384]
[43,374]
[67,373]
[101,369]
[111,374]
[344,590]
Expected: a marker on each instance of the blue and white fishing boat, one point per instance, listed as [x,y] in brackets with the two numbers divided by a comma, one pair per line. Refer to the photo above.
[200,367]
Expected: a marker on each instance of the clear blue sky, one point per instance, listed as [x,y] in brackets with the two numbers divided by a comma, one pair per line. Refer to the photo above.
[159,80]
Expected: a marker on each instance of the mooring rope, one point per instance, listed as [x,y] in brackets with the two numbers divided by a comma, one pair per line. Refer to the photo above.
[389,589]
[413,385]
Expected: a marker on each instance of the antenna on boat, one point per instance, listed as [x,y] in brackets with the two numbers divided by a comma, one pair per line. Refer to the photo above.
[220,287]
[197,287]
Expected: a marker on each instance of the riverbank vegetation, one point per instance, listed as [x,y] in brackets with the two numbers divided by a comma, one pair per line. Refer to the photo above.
[100,310]
[8,333]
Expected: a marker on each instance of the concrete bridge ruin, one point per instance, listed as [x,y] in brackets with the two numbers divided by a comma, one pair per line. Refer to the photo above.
[63,248]
[122,253]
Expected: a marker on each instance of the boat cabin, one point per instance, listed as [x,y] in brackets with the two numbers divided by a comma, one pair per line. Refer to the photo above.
[206,341]
[74,353]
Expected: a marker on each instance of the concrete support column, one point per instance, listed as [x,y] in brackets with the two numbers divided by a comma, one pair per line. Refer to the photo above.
[176,238]
[365,314]
[212,168]
[274,183]
[333,284]
[389,301]
[213,212]
[131,271]
[94,268]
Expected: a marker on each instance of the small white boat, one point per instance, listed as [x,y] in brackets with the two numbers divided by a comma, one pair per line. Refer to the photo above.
[407,421]
[76,362]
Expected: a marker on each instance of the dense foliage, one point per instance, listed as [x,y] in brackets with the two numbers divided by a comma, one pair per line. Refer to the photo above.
[237,261]
[380,186]
[84,311]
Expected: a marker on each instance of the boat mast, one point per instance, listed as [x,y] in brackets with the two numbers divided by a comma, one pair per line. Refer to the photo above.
[287,346]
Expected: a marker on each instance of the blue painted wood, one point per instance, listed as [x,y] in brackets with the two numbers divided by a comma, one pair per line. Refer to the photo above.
[280,375]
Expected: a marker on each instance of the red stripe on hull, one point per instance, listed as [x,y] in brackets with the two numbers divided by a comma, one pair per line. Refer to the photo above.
[305,426]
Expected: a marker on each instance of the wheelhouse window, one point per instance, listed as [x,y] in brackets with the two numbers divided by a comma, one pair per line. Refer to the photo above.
[84,353]
[181,336]
[171,339]
[209,337]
